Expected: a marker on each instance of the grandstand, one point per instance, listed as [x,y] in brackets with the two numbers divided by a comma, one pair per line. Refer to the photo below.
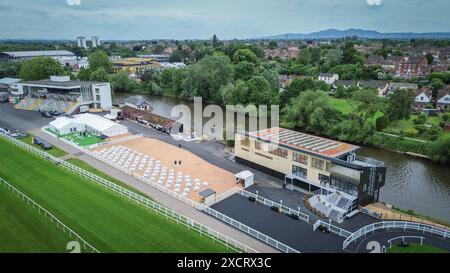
[63,95]
[333,205]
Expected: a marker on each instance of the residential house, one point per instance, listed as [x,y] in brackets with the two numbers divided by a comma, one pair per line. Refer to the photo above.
[414,66]
[374,60]
[381,86]
[285,80]
[345,83]
[423,98]
[443,100]
[402,86]
[328,78]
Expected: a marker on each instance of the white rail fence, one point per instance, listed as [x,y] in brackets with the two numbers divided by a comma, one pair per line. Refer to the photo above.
[260,236]
[271,203]
[205,207]
[401,225]
[168,213]
[332,228]
[53,219]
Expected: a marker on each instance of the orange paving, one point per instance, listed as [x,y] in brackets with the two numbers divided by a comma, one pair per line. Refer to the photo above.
[218,179]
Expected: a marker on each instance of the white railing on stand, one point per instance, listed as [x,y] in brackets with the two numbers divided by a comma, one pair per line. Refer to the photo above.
[190,223]
[445,233]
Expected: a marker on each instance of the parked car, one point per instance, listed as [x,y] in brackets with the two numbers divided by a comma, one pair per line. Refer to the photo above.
[46,114]
[18,134]
[4,97]
[46,146]
[37,140]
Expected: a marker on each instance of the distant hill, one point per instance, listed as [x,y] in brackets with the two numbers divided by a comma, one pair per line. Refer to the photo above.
[361,33]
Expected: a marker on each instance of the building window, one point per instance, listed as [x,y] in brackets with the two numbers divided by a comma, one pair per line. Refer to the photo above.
[300,158]
[278,152]
[245,142]
[258,145]
[317,163]
[299,171]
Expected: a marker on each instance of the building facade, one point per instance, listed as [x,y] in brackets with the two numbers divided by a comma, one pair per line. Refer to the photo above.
[310,163]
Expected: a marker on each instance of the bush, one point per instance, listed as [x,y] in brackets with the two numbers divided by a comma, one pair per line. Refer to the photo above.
[421,119]
[410,132]
[382,122]
[446,117]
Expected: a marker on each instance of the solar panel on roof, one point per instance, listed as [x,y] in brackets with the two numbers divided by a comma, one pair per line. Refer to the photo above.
[314,141]
[330,143]
[321,143]
[329,148]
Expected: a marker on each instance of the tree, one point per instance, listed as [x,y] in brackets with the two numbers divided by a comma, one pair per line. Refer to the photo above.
[272,76]
[84,74]
[99,75]
[260,91]
[332,58]
[215,41]
[242,55]
[430,58]
[121,83]
[439,151]
[349,55]
[233,94]
[205,78]
[99,59]
[244,70]
[147,76]
[305,56]
[436,84]
[40,68]
[294,89]
[272,45]
[400,104]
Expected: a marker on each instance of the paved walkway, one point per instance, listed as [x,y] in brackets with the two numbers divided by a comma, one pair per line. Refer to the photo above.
[163,198]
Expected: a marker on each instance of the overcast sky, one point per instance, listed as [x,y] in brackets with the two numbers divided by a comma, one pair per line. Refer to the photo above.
[189,19]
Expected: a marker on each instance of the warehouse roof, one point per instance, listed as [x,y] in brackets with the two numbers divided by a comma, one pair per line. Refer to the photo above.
[48,53]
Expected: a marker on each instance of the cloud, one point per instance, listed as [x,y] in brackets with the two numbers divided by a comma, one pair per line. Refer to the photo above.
[73,2]
[374,2]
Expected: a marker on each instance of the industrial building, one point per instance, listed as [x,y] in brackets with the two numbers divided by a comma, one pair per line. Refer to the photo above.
[59,55]
[313,164]
[135,65]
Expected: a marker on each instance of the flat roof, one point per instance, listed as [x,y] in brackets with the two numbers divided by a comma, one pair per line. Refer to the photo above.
[207,192]
[97,122]
[66,84]
[23,54]
[9,80]
[297,140]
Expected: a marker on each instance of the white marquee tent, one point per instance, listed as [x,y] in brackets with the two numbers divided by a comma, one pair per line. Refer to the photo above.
[100,125]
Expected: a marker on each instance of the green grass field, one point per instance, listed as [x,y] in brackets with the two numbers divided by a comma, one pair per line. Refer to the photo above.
[344,105]
[106,220]
[21,227]
[87,140]
[416,248]
[55,151]
[80,163]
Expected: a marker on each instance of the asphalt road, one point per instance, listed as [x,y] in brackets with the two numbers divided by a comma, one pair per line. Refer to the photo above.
[32,122]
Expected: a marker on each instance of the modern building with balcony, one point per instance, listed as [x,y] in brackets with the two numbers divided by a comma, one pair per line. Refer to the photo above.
[61,94]
[327,168]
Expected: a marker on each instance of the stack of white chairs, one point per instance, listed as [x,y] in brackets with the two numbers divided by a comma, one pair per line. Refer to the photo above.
[152,170]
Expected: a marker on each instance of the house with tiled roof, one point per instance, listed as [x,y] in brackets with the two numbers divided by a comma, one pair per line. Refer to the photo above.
[443,99]
[423,98]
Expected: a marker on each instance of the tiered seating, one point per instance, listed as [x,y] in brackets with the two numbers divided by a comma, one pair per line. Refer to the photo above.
[336,215]
[55,105]
[151,170]
[28,103]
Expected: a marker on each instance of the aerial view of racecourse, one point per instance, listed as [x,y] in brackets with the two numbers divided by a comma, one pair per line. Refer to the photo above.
[225,135]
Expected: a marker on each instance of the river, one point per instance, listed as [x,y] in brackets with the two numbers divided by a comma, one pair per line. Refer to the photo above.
[411,183]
